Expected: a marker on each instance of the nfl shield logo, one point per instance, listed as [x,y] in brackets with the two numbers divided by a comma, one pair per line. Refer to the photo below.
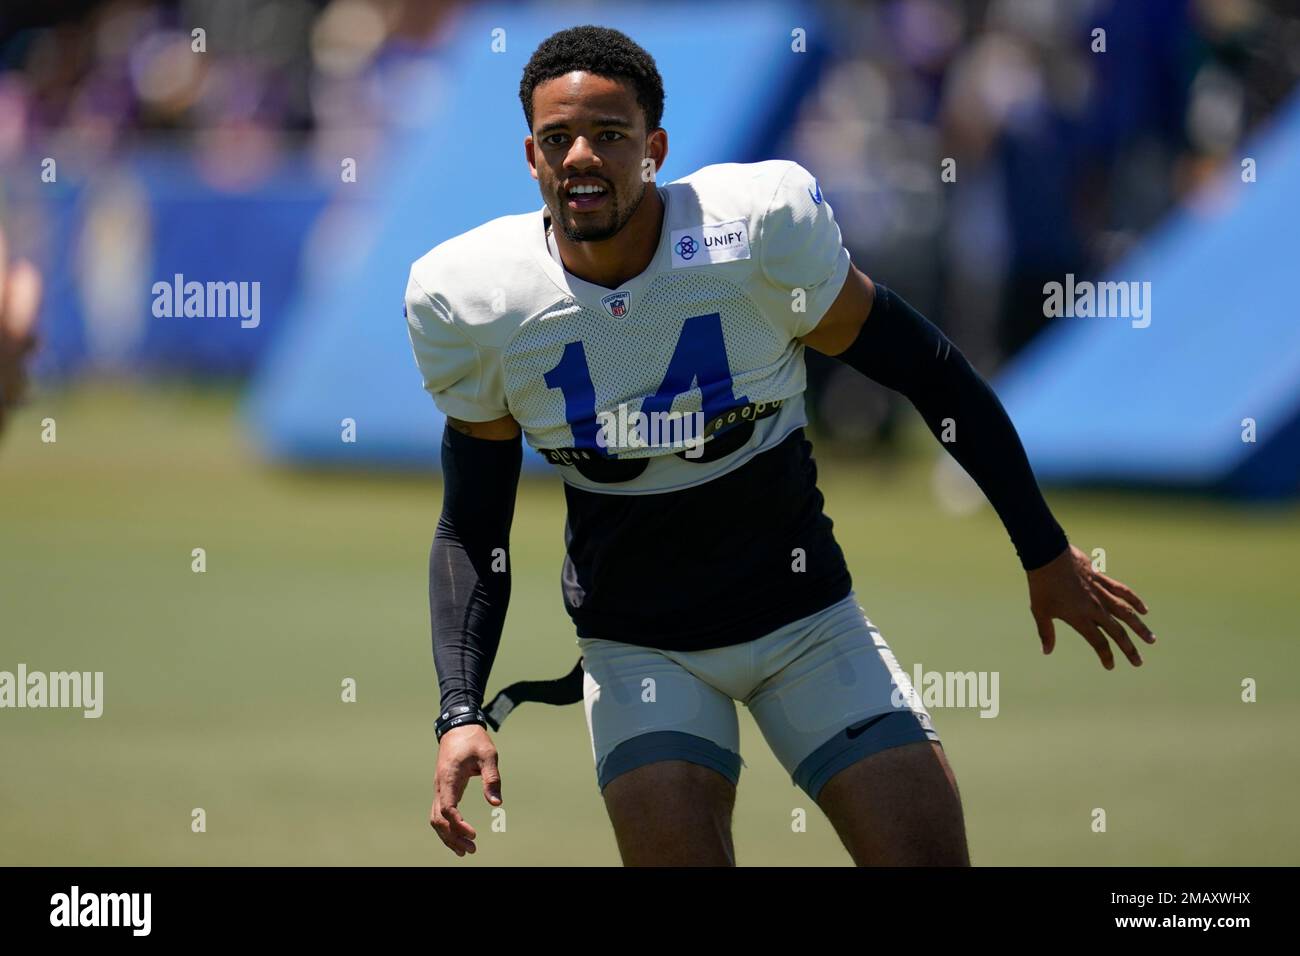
[616,303]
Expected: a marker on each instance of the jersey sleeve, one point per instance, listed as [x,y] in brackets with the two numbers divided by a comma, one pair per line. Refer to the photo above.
[801,248]
[464,379]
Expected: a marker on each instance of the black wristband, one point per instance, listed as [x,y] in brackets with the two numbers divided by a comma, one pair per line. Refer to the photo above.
[458,716]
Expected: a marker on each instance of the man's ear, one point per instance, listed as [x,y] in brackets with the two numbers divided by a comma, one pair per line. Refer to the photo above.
[530,155]
[658,143]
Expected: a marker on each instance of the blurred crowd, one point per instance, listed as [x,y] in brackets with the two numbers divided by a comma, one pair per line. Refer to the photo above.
[1066,145]
[277,73]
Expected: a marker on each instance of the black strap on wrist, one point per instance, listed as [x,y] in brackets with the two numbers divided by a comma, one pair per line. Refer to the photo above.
[458,716]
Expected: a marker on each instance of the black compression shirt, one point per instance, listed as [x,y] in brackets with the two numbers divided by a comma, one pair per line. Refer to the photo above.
[719,563]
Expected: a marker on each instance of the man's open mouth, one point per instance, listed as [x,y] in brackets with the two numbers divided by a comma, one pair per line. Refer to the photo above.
[586,196]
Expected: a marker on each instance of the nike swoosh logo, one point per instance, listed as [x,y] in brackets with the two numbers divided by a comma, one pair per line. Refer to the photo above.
[817,196]
[866,725]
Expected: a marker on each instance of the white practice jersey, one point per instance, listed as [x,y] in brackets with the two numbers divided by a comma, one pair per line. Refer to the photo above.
[703,344]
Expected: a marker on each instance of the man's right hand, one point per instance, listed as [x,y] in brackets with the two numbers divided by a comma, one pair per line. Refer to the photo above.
[464,752]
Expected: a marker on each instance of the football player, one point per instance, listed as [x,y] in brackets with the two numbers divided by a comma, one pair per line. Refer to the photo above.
[700,568]
[20,296]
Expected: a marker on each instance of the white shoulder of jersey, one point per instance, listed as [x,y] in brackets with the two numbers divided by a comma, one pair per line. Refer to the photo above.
[464,298]
[738,188]
[796,243]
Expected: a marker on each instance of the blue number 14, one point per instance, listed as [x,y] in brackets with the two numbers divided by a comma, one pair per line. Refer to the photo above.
[700,357]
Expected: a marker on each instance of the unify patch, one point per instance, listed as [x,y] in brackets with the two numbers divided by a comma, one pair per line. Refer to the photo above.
[710,243]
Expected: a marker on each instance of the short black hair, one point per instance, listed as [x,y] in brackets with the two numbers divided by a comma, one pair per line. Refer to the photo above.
[603,52]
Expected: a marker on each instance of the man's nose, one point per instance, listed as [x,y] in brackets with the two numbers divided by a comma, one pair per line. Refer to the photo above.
[581,155]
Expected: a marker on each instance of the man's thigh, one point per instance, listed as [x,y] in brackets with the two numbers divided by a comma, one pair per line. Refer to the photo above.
[839,713]
[672,813]
[898,807]
[843,718]
[666,748]
[833,694]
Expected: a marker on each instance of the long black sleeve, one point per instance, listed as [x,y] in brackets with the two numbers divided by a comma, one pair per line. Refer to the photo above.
[901,349]
[469,567]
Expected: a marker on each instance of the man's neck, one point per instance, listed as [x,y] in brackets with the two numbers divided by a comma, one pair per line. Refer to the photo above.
[613,261]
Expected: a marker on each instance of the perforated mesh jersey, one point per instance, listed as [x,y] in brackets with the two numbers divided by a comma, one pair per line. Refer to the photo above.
[628,358]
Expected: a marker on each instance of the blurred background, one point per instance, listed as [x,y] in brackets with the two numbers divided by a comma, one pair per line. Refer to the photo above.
[973,153]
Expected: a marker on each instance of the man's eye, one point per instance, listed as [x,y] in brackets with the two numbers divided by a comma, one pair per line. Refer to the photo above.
[553,139]
[613,134]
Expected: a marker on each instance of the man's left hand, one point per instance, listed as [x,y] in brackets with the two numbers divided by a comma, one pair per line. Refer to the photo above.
[1093,604]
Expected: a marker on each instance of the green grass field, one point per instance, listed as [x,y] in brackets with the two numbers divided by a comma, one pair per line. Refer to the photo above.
[222,689]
